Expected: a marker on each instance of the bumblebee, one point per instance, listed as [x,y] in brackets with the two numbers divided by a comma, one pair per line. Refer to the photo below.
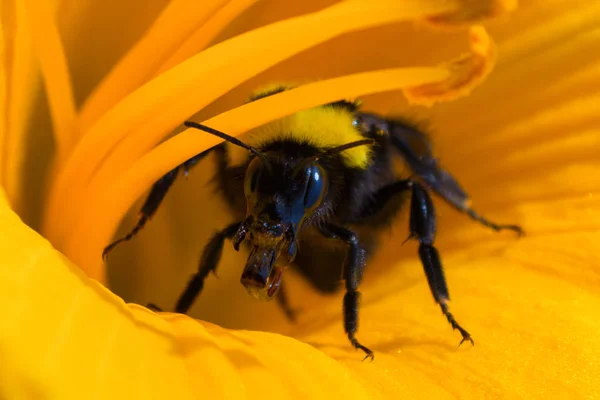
[313,191]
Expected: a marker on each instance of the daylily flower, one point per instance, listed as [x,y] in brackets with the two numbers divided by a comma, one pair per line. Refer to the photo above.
[523,138]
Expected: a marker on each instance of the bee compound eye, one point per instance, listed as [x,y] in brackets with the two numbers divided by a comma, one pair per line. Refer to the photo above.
[315,188]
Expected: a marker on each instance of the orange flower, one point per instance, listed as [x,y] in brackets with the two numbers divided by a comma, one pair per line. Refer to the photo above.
[525,143]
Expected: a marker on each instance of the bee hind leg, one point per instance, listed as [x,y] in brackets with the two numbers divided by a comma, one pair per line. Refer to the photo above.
[416,150]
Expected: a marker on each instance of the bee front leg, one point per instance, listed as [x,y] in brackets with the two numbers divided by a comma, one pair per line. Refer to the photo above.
[422,228]
[353,270]
[154,199]
[208,263]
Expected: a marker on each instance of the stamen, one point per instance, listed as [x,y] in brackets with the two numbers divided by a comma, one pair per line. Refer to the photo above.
[472,12]
[55,71]
[149,114]
[467,72]
[206,33]
[107,200]
[4,78]
[176,23]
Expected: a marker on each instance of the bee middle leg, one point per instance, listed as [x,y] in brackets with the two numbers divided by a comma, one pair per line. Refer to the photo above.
[353,269]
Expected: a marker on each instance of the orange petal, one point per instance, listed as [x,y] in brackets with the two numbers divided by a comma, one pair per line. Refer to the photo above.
[92,341]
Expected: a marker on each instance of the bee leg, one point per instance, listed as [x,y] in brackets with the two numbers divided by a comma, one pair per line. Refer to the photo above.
[450,190]
[283,302]
[353,269]
[415,149]
[154,199]
[422,227]
[208,263]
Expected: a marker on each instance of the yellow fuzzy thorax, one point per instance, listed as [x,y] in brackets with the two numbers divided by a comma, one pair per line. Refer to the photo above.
[324,127]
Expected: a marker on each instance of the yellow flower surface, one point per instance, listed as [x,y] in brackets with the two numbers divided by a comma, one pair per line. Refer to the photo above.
[511,94]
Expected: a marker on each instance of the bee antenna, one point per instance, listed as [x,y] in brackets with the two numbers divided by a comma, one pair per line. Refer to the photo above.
[344,147]
[230,139]
[331,152]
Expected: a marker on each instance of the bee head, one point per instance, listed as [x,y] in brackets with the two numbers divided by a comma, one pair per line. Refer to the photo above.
[282,192]
[280,196]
